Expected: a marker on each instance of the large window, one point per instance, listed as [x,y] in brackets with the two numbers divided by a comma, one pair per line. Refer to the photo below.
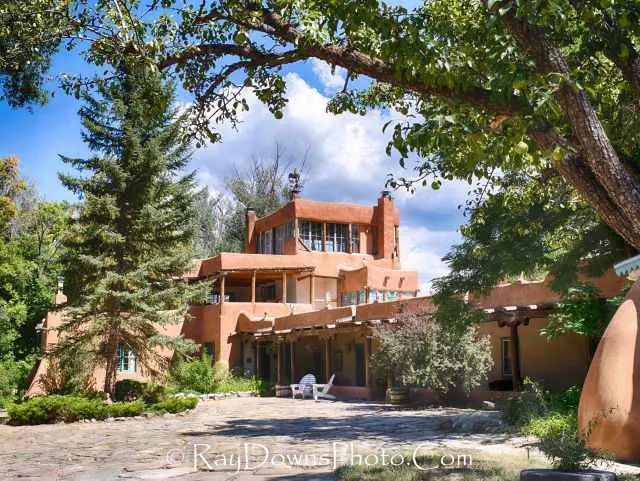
[355,238]
[126,359]
[280,234]
[337,235]
[264,244]
[507,364]
[311,235]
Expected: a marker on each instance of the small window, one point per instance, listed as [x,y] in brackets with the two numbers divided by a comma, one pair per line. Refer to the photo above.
[507,364]
[126,359]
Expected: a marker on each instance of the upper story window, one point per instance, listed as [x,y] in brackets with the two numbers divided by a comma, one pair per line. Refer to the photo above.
[264,244]
[280,235]
[337,236]
[355,238]
[311,235]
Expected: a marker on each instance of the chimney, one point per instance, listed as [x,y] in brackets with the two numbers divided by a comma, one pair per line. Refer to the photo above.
[386,225]
[249,240]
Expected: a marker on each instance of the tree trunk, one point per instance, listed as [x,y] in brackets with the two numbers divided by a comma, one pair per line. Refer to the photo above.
[111,367]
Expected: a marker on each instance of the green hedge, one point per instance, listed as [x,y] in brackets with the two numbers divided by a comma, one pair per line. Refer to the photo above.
[70,408]
[131,390]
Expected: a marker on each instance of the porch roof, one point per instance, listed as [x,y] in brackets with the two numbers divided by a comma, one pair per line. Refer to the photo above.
[332,318]
[240,262]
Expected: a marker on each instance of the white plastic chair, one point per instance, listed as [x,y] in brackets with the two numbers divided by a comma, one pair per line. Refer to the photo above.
[304,388]
[321,391]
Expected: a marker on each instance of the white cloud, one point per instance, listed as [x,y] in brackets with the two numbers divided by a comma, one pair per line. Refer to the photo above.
[347,164]
[332,79]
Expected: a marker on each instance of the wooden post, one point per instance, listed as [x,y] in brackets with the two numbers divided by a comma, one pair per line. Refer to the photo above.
[312,289]
[222,279]
[515,355]
[253,287]
[258,362]
[367,355]
[278,347]
[324,237]
[284,287]
[350,233]
[327,359]
[293,362]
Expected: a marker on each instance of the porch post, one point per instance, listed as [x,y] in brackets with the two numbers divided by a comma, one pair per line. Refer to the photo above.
[253,287]
[367,355]
[293,362]
[222,279]
[278,346]
[258,366]
[515,354]
[350,233]
[284,287]
[327,358]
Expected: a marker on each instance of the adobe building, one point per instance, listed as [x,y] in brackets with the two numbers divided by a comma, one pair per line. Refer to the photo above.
[315,279]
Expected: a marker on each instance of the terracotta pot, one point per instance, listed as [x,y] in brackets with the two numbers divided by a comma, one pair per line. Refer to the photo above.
[609,409]
[398,396]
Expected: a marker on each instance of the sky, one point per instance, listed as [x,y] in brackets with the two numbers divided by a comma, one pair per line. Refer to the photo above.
[346,156]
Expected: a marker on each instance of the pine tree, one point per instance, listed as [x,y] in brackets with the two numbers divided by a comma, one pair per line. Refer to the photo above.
[129,245]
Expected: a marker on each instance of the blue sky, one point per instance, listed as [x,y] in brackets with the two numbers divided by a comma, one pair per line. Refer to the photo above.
[346,162]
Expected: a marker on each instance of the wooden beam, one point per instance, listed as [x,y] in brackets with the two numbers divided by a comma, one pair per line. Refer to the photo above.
[324,237]
[350,233]
[222,282]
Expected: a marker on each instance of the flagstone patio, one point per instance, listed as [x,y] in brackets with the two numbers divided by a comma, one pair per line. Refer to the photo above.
[274,438]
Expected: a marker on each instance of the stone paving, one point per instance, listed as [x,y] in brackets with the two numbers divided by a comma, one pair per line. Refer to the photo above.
[274,438]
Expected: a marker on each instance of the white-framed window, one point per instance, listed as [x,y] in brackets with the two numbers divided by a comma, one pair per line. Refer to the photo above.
[127,361]
[507,362]
[311,234]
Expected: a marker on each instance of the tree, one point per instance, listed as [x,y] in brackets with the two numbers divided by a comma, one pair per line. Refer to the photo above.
[129,245]
[441,351]
[489,84]
[211,215]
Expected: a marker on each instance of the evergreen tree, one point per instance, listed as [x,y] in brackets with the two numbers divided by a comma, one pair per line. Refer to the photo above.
[129,244]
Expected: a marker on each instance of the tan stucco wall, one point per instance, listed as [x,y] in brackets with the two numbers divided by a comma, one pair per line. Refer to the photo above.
[558,364]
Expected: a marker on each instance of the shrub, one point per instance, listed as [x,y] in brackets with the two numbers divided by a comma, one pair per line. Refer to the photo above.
[552,418]
[426,350]
[197,375]
[131,390]
[562,442]
[175,405]
[69,408]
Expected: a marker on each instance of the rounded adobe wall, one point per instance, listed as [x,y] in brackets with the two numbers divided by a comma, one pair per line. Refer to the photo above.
[609,408]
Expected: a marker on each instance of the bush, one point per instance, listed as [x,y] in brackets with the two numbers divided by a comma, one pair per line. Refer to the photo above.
[196,375]
[131,390]
[69,408]
[175,405]
[552,418]
[13,375]
[562,442]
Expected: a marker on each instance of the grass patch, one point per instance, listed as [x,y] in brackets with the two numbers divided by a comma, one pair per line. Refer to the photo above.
[439,467]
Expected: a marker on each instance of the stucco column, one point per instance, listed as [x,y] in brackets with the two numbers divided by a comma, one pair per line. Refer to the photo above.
[312,289]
